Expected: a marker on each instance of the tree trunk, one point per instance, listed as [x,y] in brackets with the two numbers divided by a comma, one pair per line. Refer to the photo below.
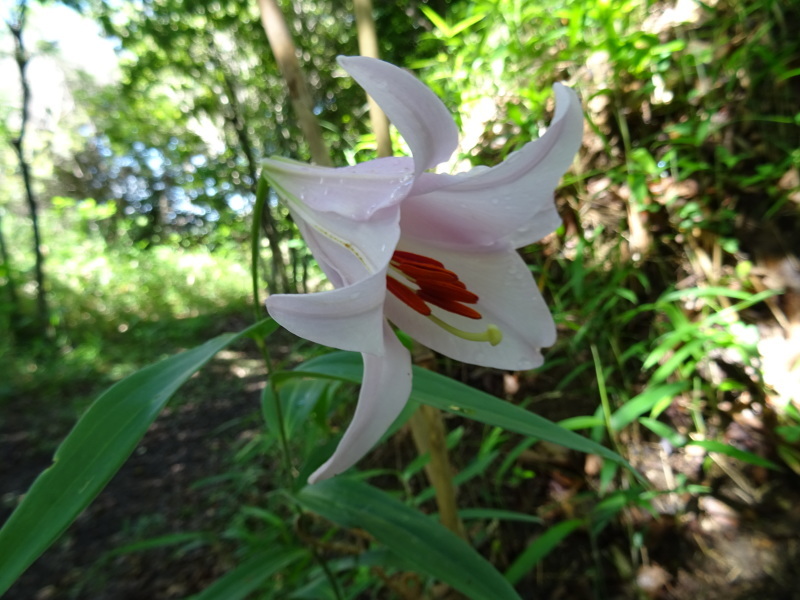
[280,40]
[11,286]
[368,46]
[16,27]
[236,120]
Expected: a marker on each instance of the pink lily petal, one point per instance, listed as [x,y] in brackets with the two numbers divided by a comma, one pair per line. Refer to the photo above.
[348,318]
[348,250]
[508,205]
[419,115]
[384,392]
[355,193]
[349,217]
[507,298]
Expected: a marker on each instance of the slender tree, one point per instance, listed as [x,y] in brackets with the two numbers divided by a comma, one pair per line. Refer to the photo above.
[235,118]
[16,26]
[368,46]
[11,286]
[283,47]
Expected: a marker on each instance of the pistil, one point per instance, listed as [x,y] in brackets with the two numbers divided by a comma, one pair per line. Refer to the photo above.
[493,335]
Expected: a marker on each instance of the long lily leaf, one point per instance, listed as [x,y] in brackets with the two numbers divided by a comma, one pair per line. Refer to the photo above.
[421,541]
[453,396]
[95,449]
[243,580]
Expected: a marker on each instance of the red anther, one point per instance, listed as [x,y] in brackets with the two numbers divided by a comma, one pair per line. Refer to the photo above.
[448,291]
[409,257]
[436,285]
[407,295]
[450,305]
[426,272]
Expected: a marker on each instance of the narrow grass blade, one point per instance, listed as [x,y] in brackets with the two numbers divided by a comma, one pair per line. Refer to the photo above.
[638,405]
[250,575]
[539,548]
[728,450]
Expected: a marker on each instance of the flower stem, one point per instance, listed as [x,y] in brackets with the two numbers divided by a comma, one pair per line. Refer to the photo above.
[428,431]
[262,192]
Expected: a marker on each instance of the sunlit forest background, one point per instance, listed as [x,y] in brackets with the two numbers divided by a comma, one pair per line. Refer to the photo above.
[674,282]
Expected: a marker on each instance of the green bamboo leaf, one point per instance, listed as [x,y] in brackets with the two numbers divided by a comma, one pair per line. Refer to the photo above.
[705,292]
[465,24]
[172,539]
[437,21]
[674,362]
[638,405]
[582,422]
[455,397]
[665,431]
[250,575]
[94,451]
[421,542]
[728,450]
[541,547]
[470,514]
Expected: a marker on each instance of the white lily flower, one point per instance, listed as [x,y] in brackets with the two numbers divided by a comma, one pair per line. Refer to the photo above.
[442,246]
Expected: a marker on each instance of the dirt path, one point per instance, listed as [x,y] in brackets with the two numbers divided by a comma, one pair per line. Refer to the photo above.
[152,495]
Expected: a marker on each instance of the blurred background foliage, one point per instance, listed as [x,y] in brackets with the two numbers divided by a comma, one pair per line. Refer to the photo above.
[674,279]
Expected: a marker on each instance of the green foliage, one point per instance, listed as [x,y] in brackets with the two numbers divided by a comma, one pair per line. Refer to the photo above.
[417,540]
[445,394]
[112,303]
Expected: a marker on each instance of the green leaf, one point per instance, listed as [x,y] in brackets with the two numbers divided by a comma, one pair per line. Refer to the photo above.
[541,547]
[728,450]
[677,360]
[250,575]
[94,451]
[455,397]
[665,431]
[470,514]
[465,24]
[421,541]
[705,292]
[640,404]
[437,21]
[582,422]
[172,539]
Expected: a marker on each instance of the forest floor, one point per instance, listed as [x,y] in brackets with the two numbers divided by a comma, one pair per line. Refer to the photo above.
[738,542]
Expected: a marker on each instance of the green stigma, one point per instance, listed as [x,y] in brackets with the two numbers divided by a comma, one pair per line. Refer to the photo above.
[493,335]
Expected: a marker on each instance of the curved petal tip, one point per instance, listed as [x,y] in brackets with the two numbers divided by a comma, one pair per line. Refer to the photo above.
[419,115]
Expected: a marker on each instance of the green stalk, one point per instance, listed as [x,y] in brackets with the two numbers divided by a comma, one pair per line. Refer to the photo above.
[601,387]
[262,192]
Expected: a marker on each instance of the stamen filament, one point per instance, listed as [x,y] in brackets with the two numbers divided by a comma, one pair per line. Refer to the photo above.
[493,335]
